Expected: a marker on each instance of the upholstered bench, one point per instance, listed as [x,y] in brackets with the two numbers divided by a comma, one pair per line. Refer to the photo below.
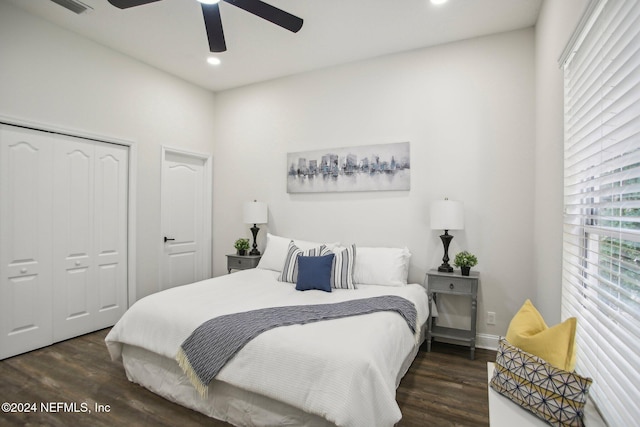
[504,413]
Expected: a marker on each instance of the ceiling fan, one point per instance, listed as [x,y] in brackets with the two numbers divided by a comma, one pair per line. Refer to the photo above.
[213,21]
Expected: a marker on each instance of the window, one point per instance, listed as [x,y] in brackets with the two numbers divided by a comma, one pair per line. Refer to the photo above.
[601,243]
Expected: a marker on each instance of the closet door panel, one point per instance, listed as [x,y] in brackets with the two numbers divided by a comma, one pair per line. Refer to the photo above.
[25,247]
[110,227]
[77,285]
[73,180]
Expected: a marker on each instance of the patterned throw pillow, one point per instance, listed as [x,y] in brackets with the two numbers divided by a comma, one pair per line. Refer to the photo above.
[555,395]
[342,273]
[290,269]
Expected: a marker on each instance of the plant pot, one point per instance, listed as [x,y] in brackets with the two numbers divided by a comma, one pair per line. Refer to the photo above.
[242,252]
[465,270]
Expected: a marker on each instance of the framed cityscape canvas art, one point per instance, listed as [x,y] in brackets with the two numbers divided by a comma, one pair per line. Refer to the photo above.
[380,167]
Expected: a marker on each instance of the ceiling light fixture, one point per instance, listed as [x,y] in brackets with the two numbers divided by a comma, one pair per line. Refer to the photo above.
[432,1]
[209,1]
[213,60]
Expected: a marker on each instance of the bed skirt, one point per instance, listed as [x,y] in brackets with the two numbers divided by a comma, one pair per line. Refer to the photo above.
[224,402]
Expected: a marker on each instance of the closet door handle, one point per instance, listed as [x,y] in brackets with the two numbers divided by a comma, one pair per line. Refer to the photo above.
[166,239]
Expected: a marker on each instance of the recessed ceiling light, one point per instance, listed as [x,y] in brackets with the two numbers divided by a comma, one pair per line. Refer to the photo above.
[209,1]
[213,60]
[432,1]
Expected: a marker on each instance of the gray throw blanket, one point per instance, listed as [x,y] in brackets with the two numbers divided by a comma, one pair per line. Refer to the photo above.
[216,341]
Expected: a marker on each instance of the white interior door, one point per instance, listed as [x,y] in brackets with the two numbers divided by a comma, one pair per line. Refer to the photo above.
[73,238]
[111,233]
[186,217]
[25,246]
[89,251]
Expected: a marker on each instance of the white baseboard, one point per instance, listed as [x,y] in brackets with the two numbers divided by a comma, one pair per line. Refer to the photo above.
[486,341]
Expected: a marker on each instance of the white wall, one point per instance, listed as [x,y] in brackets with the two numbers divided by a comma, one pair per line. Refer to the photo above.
[555,25]
[52,76]
[468,110]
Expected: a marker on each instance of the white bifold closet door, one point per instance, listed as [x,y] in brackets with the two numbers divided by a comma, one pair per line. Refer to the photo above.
[89,237]
[63,210]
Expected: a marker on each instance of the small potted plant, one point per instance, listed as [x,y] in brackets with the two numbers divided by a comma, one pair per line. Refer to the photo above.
[465,260]
[241,246]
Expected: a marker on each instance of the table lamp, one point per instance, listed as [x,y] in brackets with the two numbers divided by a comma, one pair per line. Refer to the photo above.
[255,213]
[447,215]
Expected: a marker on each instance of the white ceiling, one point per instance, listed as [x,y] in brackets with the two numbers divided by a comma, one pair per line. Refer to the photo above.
[170,34]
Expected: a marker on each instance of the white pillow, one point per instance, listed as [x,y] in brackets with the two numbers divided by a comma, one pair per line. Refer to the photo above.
[275,252]
[382,266]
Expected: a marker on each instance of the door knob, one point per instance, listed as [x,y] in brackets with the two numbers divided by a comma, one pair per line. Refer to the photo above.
[166,239]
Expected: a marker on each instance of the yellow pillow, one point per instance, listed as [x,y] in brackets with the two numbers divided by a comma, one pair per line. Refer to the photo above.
[556,345]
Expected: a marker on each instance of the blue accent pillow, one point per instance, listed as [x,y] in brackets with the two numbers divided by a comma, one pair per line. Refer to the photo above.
[314,272]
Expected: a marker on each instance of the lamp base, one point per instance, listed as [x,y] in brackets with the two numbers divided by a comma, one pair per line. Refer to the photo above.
[446,239]
[254,231]
[445,268]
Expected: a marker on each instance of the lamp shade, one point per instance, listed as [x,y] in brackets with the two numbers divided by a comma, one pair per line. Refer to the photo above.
[255,213]
[447,215]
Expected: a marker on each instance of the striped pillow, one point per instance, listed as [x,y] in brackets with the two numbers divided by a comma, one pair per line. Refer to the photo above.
[342,272]
[290,269]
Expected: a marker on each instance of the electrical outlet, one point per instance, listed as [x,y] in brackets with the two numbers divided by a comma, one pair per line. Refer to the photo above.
[491,318]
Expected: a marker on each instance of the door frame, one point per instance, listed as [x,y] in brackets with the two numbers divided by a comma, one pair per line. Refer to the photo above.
[207,203]
[131,184]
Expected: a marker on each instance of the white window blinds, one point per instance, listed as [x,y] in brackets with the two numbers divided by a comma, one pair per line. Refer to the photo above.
[601,253]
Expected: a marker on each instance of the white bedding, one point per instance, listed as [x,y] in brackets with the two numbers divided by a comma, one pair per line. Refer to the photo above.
[344,370]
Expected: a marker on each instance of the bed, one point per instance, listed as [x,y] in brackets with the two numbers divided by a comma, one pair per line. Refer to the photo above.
[335,372]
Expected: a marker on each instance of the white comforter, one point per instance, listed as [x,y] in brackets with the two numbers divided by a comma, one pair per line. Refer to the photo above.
[345,370]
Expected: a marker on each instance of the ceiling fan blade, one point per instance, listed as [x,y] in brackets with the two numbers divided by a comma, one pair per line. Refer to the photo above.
[213,24]
[125,4]
[270,13]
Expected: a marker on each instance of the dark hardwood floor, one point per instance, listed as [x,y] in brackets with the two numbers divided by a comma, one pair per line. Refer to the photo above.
[442,388]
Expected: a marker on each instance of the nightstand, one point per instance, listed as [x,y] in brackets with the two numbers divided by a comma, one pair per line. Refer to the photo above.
[242,262]
[452,284]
